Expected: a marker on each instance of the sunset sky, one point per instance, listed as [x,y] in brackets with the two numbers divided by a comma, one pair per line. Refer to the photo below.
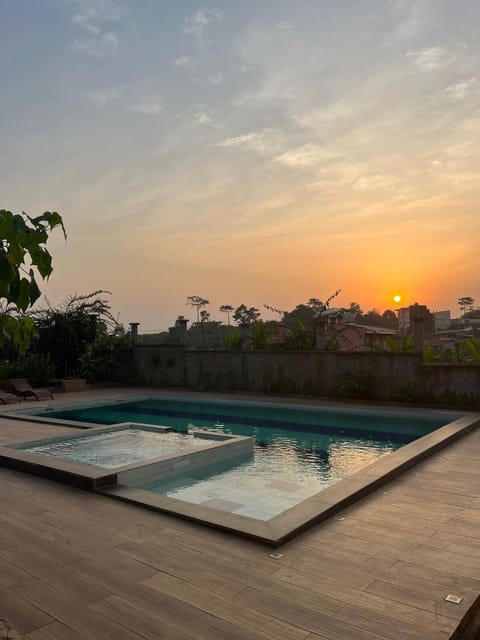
[253,151]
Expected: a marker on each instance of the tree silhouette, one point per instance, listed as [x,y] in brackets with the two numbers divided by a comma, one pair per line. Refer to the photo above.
[198,302]
[226,308]
[246,315]
[466,303]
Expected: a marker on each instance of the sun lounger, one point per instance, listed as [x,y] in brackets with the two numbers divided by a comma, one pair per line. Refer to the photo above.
[8,398]
[24,388]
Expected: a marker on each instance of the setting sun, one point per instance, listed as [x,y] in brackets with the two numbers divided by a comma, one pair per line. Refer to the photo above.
[397,298]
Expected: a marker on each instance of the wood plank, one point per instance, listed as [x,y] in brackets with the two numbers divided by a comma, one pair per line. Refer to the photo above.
[393,628]
[371,602]
[190,567]
[386,539]
[10,572]
[425,598]
[244,617]
[154,626]
[143,621]
[306,618]
[20,613]
[71,612]
[58,553]
[54,631]
[448,560]
[448,580]
[138,593]
[42,569]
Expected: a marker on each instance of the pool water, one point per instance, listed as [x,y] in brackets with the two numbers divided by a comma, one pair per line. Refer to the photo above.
[299,450]
[121,447]
[285,469]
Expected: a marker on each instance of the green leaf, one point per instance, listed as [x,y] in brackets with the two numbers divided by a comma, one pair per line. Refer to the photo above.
[42,260]
[23,295]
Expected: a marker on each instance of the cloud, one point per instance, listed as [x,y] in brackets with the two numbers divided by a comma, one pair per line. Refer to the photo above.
[216,78]
[263,141]
[106,43]
[284,25]
[149,107]
[428,59]
[374,183]
[202,118]
[199,22]
[91,14]
[183,61]
[103,96]
[460,90]
[308,155]
[94,17]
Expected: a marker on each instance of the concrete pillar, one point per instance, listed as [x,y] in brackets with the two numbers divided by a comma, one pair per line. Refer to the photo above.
[134,331]
[181,329]
[245,337]
[320,334]
[418,326]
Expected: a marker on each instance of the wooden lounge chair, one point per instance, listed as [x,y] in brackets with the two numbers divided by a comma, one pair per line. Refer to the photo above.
[8,398]
[23,388]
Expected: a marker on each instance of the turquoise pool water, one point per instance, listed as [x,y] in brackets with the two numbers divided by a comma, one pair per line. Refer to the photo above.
[299,450]
[117,448]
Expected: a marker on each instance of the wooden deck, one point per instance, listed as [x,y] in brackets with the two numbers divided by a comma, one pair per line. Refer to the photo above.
[78,565]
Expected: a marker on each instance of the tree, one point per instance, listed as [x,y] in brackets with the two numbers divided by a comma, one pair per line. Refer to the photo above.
[320,307]
[226,308]
[197,302]
[65,332]
[389,319]
[204,316]
[23,257]
[466,303]
[354,308]
[246,315]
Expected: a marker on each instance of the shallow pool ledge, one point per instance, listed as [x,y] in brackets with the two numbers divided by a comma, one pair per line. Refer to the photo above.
[319,507]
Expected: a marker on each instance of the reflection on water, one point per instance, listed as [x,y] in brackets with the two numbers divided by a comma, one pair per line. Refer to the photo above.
[285,469]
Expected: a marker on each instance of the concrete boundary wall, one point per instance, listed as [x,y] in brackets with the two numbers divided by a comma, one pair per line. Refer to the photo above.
[377,375]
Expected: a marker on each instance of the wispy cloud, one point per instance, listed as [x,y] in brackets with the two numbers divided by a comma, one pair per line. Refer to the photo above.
[428,59]
[198,24]
[95,17]
[308,155]
[202,118]
[263,141]
[377,182]
[461,90]
[284,25]
[183,61]
[150,106]
[106,43]
[216,78]
[103,96]
[92,15]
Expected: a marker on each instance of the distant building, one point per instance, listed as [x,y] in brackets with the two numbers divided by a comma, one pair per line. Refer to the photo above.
[403,320]
[416,311]
[442,320]
[351,336]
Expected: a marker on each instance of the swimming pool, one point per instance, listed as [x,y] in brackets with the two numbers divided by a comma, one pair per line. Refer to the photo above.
[299,450]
